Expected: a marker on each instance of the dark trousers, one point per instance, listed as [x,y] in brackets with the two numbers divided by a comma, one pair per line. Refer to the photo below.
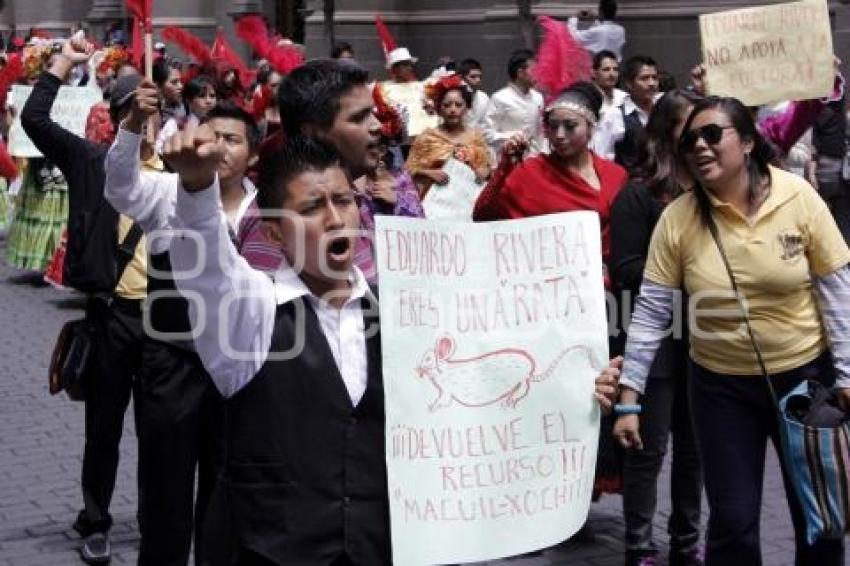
[178,421]
[665,410]
[117,355]
[733,418]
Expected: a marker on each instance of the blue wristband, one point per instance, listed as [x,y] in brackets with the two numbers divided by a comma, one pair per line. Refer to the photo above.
[627,409]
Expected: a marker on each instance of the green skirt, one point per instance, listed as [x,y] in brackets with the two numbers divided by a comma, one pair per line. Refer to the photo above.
[4,204]
[40,215]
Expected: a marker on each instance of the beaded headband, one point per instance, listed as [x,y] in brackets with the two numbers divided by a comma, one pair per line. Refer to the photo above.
[579,109]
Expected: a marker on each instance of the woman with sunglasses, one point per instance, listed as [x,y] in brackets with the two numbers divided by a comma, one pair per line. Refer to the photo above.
[658,178]
[570,177]
[790,262]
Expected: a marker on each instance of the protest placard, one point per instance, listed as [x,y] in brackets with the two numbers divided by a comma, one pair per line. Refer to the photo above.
[770,53]
[492,337]
[455,199]
[70,110]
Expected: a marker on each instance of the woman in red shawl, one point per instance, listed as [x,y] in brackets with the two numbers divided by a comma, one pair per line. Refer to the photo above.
[570,177]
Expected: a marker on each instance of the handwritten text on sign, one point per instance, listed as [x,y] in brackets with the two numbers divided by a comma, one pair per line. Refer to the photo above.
[70,110]
[769,54]
[492,337]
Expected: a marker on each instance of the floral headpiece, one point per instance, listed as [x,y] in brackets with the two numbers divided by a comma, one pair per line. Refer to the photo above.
[35,58]
[115,56]
[438,89]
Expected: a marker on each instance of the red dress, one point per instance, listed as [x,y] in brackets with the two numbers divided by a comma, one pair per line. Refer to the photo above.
[540,185]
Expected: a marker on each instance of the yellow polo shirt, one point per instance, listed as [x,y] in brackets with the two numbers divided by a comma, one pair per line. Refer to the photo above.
[773,255]
[134,282]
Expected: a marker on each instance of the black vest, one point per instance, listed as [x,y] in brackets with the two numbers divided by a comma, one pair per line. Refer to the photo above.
[305,478]
[627,150]
[169,312]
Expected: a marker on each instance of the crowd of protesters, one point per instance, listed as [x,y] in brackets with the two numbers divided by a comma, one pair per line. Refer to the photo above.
[275,164]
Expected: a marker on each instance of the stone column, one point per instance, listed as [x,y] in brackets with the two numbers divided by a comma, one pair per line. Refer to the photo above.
[102,14]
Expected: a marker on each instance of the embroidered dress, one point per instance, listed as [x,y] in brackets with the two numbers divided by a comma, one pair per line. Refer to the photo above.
[41,211]
[5,204]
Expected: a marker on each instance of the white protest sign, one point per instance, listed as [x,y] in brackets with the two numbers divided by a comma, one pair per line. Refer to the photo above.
[769,53]
[455,199]
[492,337]
[70,110]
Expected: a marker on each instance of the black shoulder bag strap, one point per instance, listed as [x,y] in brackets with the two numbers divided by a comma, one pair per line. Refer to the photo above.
[712,227]
[127,249]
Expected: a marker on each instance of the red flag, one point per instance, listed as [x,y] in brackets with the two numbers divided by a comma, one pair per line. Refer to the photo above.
[137,44]
[222,51]
[142,11]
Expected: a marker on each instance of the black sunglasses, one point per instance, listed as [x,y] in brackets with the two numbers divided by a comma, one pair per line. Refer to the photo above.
[711,133]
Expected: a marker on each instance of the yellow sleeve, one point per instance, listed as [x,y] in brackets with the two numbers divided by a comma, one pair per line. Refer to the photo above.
[664,263]
[826,249]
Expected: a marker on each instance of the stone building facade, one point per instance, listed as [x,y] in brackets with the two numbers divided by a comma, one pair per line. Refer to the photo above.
[485,29]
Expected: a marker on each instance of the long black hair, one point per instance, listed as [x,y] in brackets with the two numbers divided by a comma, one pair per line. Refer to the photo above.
[658,162]
[759,159]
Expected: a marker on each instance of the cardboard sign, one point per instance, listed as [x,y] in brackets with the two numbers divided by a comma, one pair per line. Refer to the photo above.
[492,337]
[769,54]
[70,110]
[454,200]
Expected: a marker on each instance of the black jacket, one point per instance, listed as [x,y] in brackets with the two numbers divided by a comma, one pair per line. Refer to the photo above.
[634,215]
[92,221]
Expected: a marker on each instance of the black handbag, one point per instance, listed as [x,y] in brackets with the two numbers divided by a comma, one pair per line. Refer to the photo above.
[73,353]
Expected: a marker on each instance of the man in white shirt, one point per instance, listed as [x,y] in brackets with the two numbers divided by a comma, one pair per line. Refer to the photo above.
[517,109]
[641,77]
[604,34]
[297,358]
[610,128]
[472,73]
[176,403]
[320,428]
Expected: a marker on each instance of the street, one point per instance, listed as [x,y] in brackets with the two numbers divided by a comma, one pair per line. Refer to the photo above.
[41,441]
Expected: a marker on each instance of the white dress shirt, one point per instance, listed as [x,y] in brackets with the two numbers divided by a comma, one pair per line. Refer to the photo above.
[149,197]
[475,116]
[600,36]
[235,311]
[512,111]
[610,129]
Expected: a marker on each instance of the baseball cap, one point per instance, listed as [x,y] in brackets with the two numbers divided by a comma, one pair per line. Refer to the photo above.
[123,90]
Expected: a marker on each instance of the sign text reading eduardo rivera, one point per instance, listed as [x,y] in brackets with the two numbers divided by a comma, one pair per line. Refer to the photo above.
[492,337]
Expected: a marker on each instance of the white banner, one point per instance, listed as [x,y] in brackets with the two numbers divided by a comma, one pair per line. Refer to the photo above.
[70,110]
[492,336]
[456,199]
